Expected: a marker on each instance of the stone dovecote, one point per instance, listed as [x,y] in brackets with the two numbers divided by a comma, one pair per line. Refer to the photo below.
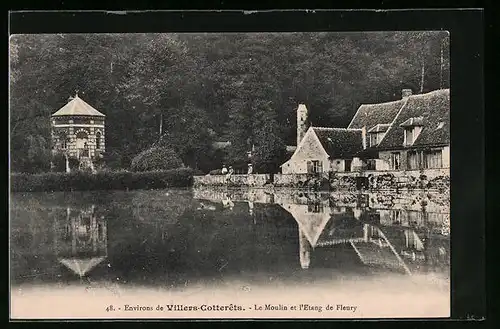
[78,130]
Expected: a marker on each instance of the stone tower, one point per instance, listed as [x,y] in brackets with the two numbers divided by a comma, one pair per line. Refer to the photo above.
[78,132]
[301,122]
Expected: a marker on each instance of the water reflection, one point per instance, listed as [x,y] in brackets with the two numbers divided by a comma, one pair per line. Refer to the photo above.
[171,238]
[406,232]
[80,241]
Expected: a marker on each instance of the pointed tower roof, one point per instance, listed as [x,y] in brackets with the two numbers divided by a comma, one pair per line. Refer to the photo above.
[78,106]
[81,266]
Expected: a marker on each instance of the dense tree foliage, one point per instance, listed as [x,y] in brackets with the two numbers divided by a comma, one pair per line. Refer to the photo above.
[156,158]
[194,89]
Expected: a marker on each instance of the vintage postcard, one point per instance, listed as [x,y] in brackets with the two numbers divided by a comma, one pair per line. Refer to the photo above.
[230,175]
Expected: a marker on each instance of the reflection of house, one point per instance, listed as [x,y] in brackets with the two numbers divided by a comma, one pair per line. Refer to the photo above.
[78,131]
[410,133]
[322,226]
[411,218]
[81,241]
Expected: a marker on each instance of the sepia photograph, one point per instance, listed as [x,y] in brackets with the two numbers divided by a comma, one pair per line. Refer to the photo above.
[237,175]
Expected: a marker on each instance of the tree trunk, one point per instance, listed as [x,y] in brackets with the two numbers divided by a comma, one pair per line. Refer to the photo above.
[441,68]
[161,124]
[423,75]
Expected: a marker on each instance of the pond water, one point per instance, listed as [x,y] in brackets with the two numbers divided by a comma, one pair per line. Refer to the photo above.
[229,253]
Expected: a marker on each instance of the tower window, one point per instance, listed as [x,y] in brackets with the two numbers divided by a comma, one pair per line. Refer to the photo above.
[98,140]
[63,140]
[81,139]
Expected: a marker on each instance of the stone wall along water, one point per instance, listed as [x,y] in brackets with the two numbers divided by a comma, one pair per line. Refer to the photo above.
[438,179]
[253,180]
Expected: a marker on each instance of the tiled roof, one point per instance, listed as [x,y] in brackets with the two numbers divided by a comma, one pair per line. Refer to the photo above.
[372,254]
[379,128]
[340,142]
[312,226]
[370,152]
[412,122]
[369,115]
[81,266]
[78,106]
[434,108]
[342,228]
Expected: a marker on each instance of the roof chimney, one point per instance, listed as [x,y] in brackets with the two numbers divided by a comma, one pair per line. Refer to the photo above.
[405,93]
[363,136]
[301,122]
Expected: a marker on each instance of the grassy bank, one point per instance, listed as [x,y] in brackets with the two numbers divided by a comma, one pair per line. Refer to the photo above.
[106,180]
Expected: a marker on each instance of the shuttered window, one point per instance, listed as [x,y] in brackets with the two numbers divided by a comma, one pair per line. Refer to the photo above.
[433,159]
[315,207]
[396,160]
[413,160]
[409,136]
[425,160]
[314,167]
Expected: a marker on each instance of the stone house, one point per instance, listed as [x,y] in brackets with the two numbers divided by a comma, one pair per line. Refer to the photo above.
[78,131]
[419,136]
[376,120]
[321,150]
[408,134]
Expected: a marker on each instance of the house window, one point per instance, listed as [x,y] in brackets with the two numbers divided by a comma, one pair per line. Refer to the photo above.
[433,159]
[314,167]
[412,241]
[396,160]
[396,216]
[414,161]
[348,165]
[371,164]
[409,136]
[315,207]
[375,138]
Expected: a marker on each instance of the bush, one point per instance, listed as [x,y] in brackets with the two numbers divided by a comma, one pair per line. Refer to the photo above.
[104,180]
[59,162]
[156,158]
[216,172]
[100,163]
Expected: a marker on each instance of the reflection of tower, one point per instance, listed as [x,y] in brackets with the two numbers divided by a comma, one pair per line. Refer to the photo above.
[304,250]
[81,240]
